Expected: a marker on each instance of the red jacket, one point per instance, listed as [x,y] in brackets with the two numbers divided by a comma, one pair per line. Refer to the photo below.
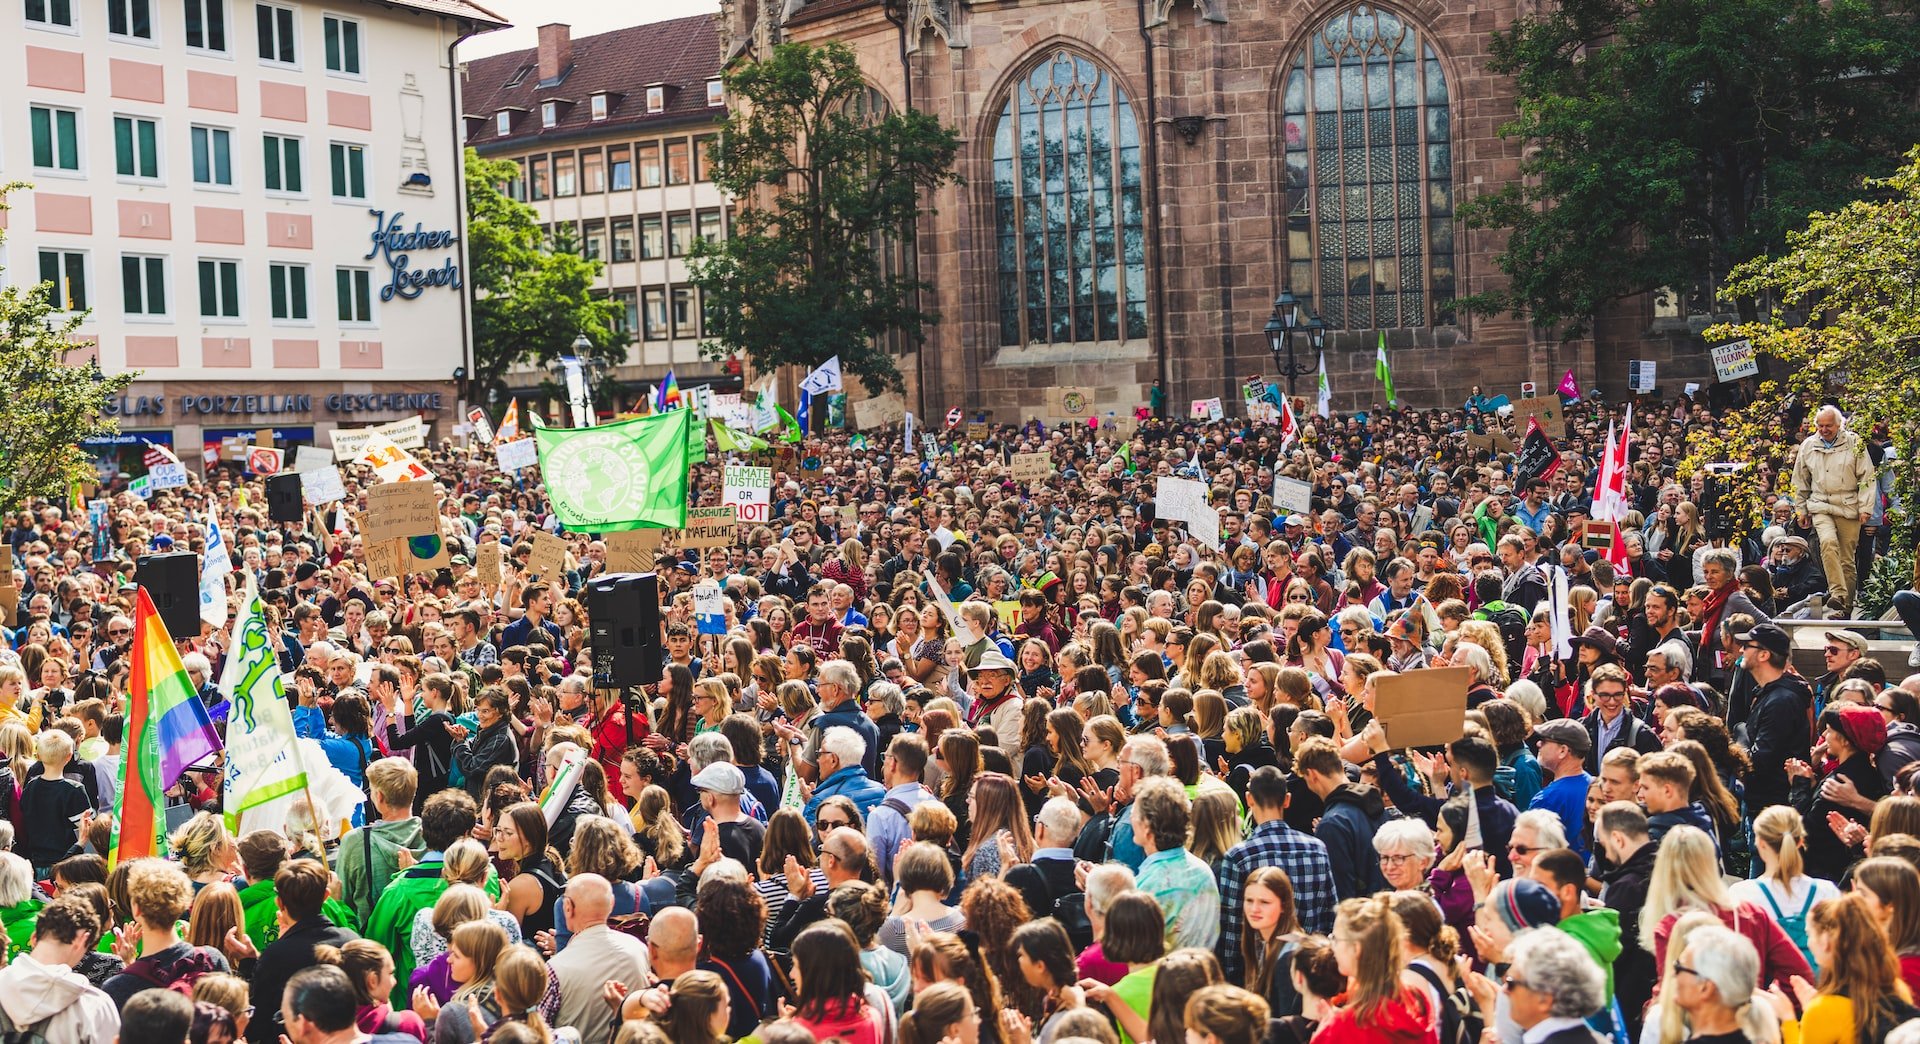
[1408,1019]
[1780,959]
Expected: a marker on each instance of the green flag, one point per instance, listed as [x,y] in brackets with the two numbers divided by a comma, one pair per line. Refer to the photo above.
[696,440]
[1381,371]
[626,475]
[792,433]
[730,441]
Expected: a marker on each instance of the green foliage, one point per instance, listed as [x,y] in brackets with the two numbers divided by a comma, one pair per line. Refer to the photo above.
[1858,270]
[1669,140]
[825,189]
[1890,573]
[530,298]
[47,407]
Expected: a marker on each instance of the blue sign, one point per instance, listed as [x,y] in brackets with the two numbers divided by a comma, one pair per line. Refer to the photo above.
[395,245]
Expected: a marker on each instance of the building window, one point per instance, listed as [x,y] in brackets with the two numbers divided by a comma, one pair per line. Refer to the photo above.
[56,138]
[136,148]
[353,294]
[349,168]
[503,122]
[686,321]
[653,313]
[66,273]
[143,284]
[282,164]
[703,157]
[274,25]
[679,162]
[597,107]
[593,172]
[563,183]
[549,113]
[679,234]
[212,156]
[623,239]
[207,25]
[515,187]
[219,289]
[656,99]
[1369,167]
[51,13]
[1067,211]
[620,167]
[653,238]
[710,226]
[539,187]
[593,240]
[130,18]
[626,313]
[716,93]
[649,164]
[287,285]
[343,44]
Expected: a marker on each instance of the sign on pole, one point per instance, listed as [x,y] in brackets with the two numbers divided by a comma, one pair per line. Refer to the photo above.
[1640,376]
[749,490]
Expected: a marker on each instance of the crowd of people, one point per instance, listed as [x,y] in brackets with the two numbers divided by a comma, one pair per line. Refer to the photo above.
[976,759]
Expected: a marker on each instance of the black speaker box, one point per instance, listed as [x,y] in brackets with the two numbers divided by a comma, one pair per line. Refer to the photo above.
[623,613]
[285,502]
[173,582]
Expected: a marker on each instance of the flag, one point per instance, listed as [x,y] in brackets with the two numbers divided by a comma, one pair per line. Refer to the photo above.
[560,788]
[793,430]
[1289,425]
[167,729]
[263,760]
[509,424]
[1381,371]
[1610,492]
[1569,386]
[730,441]
[1603,481]
[764,416]
[669,393]
[805,413]
[1325,406]
[696,440]
[215,564]
[620,476]
[906,438]
[1538,457]
[1125,456]
[824,378]
[1561,625]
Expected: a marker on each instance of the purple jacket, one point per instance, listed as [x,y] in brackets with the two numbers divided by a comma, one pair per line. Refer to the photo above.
[1454,895]
[436,976]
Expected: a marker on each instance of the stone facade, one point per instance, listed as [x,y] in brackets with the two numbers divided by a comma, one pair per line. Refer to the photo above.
[1205,81]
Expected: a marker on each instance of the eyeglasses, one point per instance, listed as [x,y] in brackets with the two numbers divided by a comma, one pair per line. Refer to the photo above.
[1610,695]
[1396,858]
[1833,650]
[1299,598]
[831,824]
[1523,849]
[1512,983]
[1695,972]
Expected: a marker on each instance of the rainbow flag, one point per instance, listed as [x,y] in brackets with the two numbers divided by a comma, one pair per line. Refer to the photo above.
[167,729]
[669,393]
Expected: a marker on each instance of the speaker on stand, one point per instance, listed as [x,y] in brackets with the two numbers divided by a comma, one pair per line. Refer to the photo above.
[285,501]
[623,624]
[172,580]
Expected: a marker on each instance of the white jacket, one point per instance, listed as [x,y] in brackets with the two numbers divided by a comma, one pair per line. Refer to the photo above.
[80,1013]
[1833,480]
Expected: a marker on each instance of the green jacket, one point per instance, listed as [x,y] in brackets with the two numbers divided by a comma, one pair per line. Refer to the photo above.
[262,924]
[19,920]
[391,925]
[350,861]
[1598,931]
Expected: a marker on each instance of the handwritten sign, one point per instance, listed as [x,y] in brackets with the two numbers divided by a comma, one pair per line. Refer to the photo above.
[385,558]
[1032,467]
[1734,360]
[9,596]
[1207,409]
[311,458]
[549,557]
[709,527]
[976,431]
[1179,499]
[1291,496]
[489,563]
[1423,708]
[635,550]
[1552,415]
[168,475]
[322,485]
[880,411]
[748,489]
[398,510]
[518,454]
[407,433]
[709,609]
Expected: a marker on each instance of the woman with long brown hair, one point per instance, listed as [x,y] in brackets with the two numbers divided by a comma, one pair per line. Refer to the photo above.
[1861,995]
[1891,889]
[1369,942]
[995,809]
[1270,934]
[520,835]
[958,753]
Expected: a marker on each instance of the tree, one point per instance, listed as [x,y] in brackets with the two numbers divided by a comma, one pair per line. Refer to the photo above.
[531,298]
[1857,270]
[47,405]
[1670,140]
[822,184]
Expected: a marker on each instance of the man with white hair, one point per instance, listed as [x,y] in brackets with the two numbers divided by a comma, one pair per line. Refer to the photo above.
[1668,662]
[1050,875]
[1833,487]
[593,956]
[839,689]
[842,753]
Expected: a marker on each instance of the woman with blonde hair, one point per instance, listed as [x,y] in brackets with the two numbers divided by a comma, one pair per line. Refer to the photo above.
[433,927]
[1783,889]
[1486,635]
[1219,673]
[1686,877]
[1861,995]
[521,985]
[473,955]
[205,849]
[1217,823]
[1208,720]
[711,704]
[657,830]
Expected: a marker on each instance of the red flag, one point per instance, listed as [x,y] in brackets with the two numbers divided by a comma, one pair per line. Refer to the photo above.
[1289,424]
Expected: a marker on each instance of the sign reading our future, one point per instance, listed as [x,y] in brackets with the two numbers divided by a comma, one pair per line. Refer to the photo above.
[406,278]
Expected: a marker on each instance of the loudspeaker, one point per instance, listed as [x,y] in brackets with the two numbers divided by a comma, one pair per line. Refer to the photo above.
[623,614]
[285,501]
[173,582]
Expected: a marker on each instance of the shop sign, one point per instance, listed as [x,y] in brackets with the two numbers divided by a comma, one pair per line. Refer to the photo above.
[396,246]
[256,404]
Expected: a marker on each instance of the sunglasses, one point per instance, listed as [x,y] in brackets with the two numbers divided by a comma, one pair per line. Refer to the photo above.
[831,824]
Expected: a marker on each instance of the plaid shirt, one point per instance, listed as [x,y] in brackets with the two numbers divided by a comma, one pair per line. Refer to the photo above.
[1302,856]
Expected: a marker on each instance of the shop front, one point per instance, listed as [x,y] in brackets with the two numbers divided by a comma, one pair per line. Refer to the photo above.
[192,416]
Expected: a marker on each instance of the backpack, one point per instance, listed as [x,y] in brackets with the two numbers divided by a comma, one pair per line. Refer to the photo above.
[1512,622]
[180,975]
[1460,1020]
[635,923]
[1796,925]
[11,1033]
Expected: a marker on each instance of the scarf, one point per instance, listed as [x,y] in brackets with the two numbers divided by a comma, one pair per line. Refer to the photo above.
[1715,608]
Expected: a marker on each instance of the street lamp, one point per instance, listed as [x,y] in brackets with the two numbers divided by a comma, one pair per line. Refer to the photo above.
[1290,315]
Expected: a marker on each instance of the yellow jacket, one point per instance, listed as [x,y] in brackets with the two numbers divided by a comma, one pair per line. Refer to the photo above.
[1827,1020]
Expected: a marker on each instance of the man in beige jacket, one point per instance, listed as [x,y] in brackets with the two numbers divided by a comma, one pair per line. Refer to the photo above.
[1833,484]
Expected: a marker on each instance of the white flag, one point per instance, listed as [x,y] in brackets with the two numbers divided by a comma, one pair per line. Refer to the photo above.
[1326,390]
[214,567]
[263,760]
[1562,623]
[824,378]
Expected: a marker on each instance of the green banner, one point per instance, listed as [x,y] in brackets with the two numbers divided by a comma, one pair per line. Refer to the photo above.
[620,476]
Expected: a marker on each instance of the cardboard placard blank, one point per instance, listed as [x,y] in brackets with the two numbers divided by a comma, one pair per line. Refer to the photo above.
[1032,467]
[396,510]
[1423,708]
[549,557]
[634,550]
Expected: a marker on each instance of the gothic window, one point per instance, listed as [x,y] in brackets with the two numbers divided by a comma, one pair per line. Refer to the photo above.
[1369,161]
[1071,235]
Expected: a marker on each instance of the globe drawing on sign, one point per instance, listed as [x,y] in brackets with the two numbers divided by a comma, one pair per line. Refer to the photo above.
[424,548]
[1074,403]
[592,472]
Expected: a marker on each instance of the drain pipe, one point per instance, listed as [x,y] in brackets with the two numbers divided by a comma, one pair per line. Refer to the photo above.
[1153,203]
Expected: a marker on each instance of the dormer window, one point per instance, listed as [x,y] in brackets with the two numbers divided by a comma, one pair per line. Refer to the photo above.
[656,98]
[549,114]
[716,93]
[599,106]
[503,122]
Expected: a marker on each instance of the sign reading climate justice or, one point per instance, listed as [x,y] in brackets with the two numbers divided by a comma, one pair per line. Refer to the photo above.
[396,246]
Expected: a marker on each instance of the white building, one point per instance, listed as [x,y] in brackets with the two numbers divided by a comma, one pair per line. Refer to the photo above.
[257,203]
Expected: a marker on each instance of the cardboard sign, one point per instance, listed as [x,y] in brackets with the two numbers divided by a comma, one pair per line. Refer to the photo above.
[322,485]
[423,554]
[1546,407]
[1423,708]
[709,527]
[1734,360]
[262,460]
[1291,496]
[1207,409]
[488,563]
[549,557]
[977,431]
[234,447]
[1032,467]
[9,596]
[635,550]
[407,433]
[880,411]
[399,510]
[384,558]
[1478,443]
[518,454]
[1076,403]
[311,458]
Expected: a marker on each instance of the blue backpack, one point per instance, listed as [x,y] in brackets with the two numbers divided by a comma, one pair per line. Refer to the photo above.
[1796,925]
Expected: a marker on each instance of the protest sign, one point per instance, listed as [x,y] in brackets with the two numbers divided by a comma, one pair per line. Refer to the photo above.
[976,431]
[263,460]
[392,463]
[1291,496]
[518,454]
[1032,467]
[322,485]
[385,558]
[1180,499]
[1076,403]
[9,597]
[488,564]
[400,510]
[311,458]
[1207,409]
[880,411]
[481,427]
[634,550]
[1552,415]
[708,527]
[1640,374]
[709,609]
[748,489]
[549,557]
[234,447]
[168,475]
[1423,708]
[1205,526]
[407,433]
[1734,360]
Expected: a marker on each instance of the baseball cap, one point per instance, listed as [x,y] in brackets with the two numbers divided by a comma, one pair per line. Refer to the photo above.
[721,778]
[1567,732]
[1768,637]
